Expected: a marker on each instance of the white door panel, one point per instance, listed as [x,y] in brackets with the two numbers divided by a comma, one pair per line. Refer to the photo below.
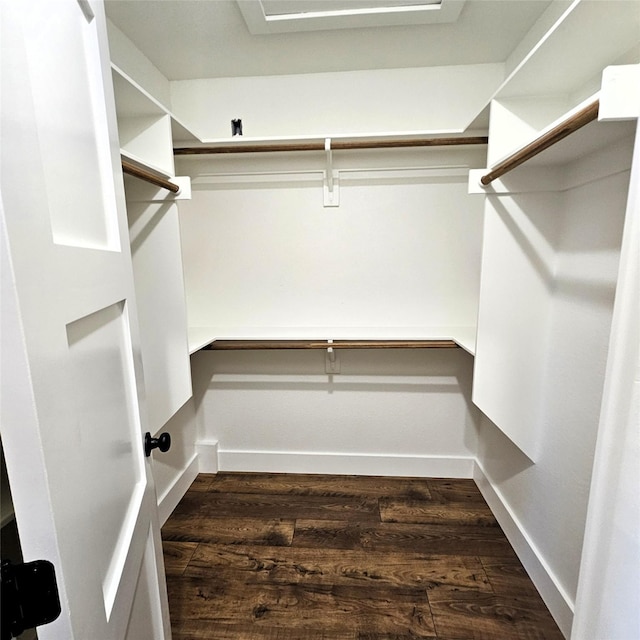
[73,414]
[72,126]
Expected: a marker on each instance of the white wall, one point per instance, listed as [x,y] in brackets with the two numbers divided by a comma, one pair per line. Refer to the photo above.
[607,600]
[400,412]
[176,469]
[549,498]
[401,250]
[340,103]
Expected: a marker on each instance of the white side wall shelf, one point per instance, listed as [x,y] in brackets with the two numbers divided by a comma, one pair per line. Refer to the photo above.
[146,128]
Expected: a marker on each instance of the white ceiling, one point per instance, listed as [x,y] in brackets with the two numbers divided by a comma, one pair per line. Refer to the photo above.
[188,39]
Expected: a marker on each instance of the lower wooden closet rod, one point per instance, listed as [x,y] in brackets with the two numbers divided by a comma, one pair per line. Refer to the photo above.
[148,176]
[562,130]
[256,345]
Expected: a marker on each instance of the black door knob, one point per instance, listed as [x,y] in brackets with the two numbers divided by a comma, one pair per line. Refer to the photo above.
[163,443]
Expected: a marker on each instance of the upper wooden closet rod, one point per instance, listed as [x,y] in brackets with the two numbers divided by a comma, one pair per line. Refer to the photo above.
[562,130]
[335,144]
[148,176]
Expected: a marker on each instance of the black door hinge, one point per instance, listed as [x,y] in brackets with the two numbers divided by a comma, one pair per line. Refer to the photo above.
[29,596]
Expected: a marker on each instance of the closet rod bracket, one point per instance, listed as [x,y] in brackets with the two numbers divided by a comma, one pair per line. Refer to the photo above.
[330,187]
[331,361]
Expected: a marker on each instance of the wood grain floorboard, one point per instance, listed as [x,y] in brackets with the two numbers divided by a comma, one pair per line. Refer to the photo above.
[186,527]
[203,482]
[454,490]
[207,630]
[303,607]
[282,565]
[465,616]
[177,556]
[507,576]
[322,485]
[429,512]
[413,538]
[230,505]
[308,557]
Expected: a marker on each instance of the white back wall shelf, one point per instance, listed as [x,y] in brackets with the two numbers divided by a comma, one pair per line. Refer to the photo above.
[398,261]
[331,176]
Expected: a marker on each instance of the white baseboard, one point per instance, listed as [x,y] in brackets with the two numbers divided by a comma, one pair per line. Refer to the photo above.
[170,498]
[558,602]
[344,463]
[207,453]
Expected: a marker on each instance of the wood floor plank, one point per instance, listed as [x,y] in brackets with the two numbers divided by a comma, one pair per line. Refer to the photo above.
[202,482]
[297,607]
[454,490]
[467,615]
[284,565]
[429,512]
[508,577]
[207,630]
[177,556]
[231,505]
[193,527]
[321,485]
[414,538]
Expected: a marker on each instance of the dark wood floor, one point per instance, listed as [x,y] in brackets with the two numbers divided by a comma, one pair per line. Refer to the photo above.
[310,557]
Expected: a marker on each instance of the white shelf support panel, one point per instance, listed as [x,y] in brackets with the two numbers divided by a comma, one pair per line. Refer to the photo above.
[620,93]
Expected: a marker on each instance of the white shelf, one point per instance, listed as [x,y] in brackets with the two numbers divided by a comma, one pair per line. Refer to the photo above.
[586,141]
[199,337]
[575,50]
[564,62]
[132,100]
[136,101]
[147,129]
[590,138]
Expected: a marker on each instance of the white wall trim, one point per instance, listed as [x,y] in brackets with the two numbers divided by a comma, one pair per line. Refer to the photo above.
[207,452]
[555,597]
[169,500]
[345,463]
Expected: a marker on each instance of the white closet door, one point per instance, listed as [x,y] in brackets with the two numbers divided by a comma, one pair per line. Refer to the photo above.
[72,418]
